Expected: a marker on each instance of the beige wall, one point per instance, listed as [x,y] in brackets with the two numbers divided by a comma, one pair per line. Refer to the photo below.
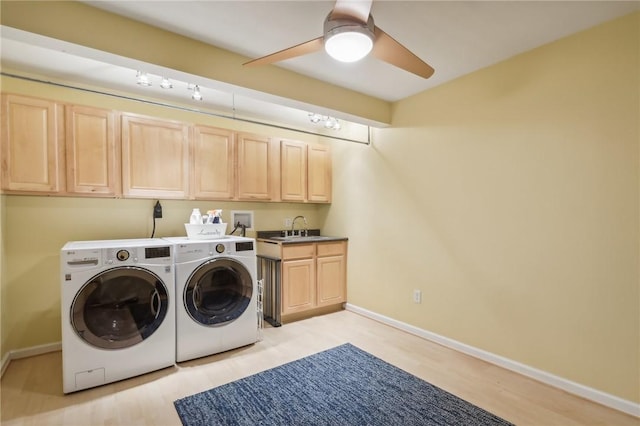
[35,228]
[510,198]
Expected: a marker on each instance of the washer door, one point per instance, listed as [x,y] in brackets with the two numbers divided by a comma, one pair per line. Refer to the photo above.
[218,292]
[120,307]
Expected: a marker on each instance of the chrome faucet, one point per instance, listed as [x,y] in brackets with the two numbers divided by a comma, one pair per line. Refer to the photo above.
[293,224]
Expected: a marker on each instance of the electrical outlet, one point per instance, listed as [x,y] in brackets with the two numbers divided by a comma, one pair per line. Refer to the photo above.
[157,210]
[417,296]
[287,222]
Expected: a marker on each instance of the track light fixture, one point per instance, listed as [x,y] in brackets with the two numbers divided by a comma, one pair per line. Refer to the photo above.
[142,79]
[332,123]
[325,120]
[315,118]
[166,83]
[197,96]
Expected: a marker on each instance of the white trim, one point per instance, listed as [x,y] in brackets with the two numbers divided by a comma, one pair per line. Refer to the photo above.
[586,392]
[27,352]
[36,350]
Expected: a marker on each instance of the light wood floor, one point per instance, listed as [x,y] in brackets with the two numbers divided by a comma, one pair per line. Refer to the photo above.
[32,387]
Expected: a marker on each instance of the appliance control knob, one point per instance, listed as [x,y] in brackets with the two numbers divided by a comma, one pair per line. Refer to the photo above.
[110,261]
[122,255]
[220,248]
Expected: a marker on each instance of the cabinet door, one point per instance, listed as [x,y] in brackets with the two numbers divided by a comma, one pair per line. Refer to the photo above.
[213,165]
[256,168]
[298,285]
[92,159]
[155,156]
[293,171]
[331,280]
[319,164]
[32,145]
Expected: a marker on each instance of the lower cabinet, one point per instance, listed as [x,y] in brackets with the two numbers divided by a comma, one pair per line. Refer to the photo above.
[298,284]
[313,276]
[331,270]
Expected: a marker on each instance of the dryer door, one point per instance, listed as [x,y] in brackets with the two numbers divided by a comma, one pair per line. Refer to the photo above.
[119,307]
[218,292]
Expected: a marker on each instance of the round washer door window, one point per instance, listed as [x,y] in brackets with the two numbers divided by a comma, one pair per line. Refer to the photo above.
[119,308]
[218,292]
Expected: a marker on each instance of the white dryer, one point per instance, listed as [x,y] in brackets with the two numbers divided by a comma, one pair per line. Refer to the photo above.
[217,295]
[118,314]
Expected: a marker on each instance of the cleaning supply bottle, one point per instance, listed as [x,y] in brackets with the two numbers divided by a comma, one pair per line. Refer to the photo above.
[210,216]
[196,217]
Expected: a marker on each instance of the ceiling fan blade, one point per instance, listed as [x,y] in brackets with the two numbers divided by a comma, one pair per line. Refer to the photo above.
[291,52]
[387,49]
[352,9]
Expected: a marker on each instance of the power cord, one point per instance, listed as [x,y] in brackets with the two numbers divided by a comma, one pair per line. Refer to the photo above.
[243,229]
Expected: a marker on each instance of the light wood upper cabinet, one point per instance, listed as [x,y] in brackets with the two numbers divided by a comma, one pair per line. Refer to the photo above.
[212,163]
[257,167]
[293,171]
[48,147]
[155,157]
[93,161]
[32,145]
[305,172]
[319,174]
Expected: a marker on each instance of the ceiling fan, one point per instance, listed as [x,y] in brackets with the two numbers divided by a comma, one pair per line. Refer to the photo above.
[349,35]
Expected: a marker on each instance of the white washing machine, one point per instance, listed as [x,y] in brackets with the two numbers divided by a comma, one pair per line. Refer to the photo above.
[217,295]
[118,313]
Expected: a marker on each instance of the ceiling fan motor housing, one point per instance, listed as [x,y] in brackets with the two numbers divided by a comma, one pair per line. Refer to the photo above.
[343,26]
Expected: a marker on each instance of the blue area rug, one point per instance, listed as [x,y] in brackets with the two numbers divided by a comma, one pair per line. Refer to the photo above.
[340,386]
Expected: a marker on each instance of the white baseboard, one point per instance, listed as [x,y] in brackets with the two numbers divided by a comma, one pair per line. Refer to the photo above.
[27,352]
[586,392]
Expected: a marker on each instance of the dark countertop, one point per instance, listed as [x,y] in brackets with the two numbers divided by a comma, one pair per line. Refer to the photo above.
[313,236]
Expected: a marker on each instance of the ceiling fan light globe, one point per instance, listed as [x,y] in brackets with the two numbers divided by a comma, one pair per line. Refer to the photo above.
[348,46]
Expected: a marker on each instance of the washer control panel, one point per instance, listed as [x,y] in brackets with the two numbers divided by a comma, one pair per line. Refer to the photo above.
[138,255]
[189,251]
[244,246]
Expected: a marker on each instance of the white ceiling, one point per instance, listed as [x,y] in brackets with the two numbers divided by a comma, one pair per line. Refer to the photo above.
[455,37]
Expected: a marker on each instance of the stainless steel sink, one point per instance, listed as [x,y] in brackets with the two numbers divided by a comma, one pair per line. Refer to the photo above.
[309,238]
